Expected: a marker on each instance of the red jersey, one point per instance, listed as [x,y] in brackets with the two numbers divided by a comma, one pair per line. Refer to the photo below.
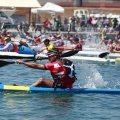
[117,47]
[57,68]
[78,46]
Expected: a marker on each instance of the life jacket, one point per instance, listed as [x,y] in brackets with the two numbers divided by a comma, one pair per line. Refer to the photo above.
[15,46]
[68,77]
[69,69]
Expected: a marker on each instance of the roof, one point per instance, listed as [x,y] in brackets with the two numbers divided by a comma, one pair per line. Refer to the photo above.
[49,8]
[20,3]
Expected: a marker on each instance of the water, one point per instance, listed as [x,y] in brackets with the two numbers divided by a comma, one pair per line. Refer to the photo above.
[49,106]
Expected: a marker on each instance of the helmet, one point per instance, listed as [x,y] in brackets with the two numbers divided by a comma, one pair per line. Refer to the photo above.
[37,39]
[7,38]
[46,40]
[76,39]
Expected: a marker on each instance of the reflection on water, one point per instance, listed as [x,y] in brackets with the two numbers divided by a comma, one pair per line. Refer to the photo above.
[33,105]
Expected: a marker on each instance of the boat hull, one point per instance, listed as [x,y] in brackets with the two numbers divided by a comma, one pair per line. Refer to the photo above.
[84,58]
[97,53]
[10,88]
[14,55]
[22,49]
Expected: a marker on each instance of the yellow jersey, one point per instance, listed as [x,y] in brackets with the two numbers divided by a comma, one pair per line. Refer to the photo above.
[50,47]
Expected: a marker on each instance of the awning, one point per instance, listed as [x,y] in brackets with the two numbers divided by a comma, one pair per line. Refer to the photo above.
[20,3]
[49,8]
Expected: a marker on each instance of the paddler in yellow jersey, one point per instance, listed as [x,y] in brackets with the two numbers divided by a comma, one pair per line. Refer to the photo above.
[47,47]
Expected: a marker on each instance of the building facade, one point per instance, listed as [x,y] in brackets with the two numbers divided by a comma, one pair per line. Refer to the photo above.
[101,3]
[84,3]
[23,14]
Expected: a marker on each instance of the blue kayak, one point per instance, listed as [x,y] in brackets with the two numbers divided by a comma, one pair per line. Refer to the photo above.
[23,49]
[10,88]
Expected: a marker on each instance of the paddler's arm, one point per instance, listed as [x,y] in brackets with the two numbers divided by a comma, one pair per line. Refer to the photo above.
[5,47]
[65,47]
[39,51]
[32,65]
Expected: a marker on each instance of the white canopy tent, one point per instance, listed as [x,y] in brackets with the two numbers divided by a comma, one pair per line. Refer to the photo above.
[20,3]
[49,8]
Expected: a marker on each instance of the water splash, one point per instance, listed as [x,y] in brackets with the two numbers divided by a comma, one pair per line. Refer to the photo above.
[117,85]
[94,42]
[90,77]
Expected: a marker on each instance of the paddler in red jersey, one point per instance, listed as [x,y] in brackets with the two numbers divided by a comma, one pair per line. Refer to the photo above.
[78,45]
[61,78]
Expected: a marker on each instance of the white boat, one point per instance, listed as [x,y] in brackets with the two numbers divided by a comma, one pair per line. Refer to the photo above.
[97,53]
[14,55]
[83,58]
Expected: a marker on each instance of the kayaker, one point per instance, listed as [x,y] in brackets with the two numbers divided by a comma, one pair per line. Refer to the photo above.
[2,42]
[78,45]
[61,76]
[9,46]
[47,47]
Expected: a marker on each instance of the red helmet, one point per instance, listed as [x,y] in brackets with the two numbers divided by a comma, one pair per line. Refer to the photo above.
[37,39]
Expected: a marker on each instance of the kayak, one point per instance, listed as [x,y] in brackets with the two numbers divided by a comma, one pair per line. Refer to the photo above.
[83,58]
[10,88]
[14,55]
[22,49]
[97,53]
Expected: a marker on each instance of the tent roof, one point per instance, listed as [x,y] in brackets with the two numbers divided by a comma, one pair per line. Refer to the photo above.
[20,3]
[49,8]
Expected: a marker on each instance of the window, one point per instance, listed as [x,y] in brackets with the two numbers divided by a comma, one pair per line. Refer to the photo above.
[76,12]
[81,12]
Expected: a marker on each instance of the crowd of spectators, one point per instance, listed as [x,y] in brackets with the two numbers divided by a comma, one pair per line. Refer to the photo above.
[74,23]
[82,24]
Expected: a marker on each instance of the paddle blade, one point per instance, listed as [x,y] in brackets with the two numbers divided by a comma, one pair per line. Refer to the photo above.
[4,63]
[69,53]
[102,55]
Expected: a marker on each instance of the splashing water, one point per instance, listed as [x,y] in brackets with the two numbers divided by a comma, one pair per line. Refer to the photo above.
[117,85]
[94,42]
[90,77]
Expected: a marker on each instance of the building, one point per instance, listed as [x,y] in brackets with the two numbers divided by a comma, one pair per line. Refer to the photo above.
[107,6]
[101,3]
[84,3]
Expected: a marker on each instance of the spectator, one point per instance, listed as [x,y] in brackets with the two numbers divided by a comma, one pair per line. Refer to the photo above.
[66,24]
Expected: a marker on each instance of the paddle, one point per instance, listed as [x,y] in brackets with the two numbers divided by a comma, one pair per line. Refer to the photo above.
[4,63]
[104,54]
[66,54]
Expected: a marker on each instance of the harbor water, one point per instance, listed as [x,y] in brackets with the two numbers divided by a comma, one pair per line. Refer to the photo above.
[62,106]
